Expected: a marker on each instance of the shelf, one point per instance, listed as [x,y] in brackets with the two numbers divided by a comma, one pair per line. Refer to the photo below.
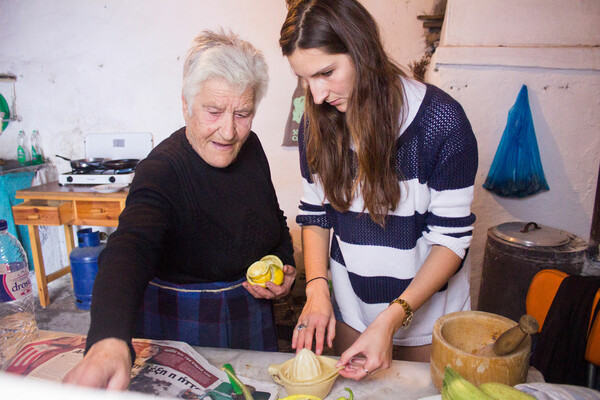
[8,78]
[437,17]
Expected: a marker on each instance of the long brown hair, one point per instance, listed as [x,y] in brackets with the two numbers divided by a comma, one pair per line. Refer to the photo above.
[374,113]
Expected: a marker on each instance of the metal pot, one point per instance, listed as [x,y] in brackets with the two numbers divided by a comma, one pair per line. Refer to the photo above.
[121,164]
[84,163]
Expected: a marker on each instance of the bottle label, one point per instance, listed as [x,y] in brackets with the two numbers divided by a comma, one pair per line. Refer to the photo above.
[21,155]
[14,281]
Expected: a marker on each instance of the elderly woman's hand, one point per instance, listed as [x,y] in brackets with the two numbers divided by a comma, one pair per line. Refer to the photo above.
[106,365]
[273,291]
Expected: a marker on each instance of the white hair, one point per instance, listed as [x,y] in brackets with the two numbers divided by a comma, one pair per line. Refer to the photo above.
[224,55]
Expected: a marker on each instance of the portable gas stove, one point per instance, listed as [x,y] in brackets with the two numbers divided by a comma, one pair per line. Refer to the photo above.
[121,151]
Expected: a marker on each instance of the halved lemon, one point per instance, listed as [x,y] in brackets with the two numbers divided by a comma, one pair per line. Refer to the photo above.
[273,260]
[276,268]
[277,276]
[259,273]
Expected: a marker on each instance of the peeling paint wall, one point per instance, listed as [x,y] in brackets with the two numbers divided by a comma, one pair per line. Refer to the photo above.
[115,66]
[553,49]
[109,66]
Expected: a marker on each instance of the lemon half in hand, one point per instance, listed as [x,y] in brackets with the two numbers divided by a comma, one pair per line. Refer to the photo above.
[269,268]
[276,268]
[277,276]
[273,260]
[259,273]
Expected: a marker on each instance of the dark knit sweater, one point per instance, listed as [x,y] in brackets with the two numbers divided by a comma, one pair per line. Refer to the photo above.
[186,222]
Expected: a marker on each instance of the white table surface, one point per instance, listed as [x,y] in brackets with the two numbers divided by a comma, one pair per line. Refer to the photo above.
[404,380]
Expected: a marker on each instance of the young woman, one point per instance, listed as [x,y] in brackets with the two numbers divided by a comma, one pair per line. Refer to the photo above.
[388,164]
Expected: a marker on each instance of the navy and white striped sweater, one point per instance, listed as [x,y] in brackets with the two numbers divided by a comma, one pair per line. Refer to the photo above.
[370,265]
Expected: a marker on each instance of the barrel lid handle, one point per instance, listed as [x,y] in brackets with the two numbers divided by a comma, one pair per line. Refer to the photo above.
[528,225]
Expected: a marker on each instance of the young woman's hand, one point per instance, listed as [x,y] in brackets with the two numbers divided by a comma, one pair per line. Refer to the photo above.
[372,351]
[316,321]
[273,291]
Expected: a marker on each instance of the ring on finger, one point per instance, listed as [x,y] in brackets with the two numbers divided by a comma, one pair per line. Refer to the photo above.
[300,327]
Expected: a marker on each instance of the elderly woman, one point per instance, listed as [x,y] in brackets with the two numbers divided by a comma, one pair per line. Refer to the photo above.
[201,209]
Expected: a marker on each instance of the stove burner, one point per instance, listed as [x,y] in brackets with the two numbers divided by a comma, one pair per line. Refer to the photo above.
[95,176]
[123,171]
[101,171]
[86,171]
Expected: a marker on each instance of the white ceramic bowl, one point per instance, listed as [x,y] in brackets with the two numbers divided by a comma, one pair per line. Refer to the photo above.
[319,386]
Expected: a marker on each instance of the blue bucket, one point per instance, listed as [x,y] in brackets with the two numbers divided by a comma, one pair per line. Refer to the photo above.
[84,266]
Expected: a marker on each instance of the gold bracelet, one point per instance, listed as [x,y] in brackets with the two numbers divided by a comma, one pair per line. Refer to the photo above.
[408,313]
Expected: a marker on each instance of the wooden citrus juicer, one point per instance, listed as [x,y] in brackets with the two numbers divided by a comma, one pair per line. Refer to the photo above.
[508,341]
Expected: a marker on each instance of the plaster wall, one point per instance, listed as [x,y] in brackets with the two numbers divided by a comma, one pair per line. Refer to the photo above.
[553,49]
[115,66]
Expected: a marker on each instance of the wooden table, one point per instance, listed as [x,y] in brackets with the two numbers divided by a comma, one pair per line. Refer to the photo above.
[53,205]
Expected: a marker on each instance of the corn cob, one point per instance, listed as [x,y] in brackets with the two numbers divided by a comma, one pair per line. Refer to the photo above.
[500,391]
[455,387]
[445,395]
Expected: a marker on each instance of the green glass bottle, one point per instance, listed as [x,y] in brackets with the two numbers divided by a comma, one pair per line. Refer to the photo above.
[36,152]
[22,148]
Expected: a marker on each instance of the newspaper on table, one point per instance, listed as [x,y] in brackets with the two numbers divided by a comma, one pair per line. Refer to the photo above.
[161,368]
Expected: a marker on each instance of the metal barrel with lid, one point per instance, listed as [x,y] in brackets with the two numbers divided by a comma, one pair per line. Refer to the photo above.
[514,253]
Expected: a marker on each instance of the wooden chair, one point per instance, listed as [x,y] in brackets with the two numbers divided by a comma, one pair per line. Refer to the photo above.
[540,295]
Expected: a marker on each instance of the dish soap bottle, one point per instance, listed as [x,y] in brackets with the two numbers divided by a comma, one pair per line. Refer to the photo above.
[22,153]
[36,151]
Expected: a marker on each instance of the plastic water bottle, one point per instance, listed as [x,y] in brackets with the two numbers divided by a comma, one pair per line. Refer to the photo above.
[36,151]
[22,153]
[17,320]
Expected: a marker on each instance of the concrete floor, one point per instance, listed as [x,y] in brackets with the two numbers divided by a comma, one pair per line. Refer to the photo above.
[61,314]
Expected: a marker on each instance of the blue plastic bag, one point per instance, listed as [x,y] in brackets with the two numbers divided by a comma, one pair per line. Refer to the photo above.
[517,168]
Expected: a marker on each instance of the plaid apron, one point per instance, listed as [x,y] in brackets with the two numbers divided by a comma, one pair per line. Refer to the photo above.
[216,314]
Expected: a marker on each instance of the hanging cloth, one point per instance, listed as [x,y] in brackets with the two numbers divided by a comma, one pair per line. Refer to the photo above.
[290,135]
[517,168]
[9,184]
[560,352]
